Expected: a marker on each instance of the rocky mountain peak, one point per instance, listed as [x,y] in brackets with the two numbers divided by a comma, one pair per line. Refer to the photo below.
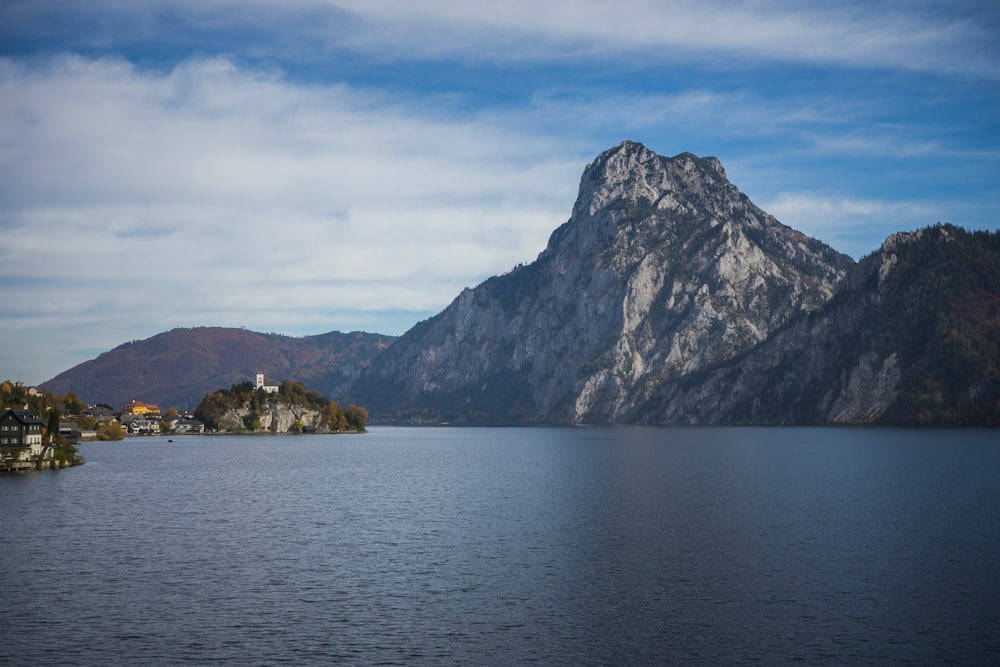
[630,173]
[664,268]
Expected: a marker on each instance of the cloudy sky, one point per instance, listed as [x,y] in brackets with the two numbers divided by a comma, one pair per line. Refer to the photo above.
[304,166]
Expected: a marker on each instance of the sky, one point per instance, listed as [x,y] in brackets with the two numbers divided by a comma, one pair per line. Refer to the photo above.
[305,166]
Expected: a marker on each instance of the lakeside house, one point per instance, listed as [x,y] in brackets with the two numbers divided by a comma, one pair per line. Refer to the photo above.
[140,424]
[185,424]
[100,414]
[71,435]
[21,428]
[20,438]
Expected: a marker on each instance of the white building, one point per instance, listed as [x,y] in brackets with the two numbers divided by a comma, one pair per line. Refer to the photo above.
[265,384]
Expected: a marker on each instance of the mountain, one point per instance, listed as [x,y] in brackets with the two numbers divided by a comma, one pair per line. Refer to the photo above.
[911,338]
[177,368]
[664,269]
[668,297]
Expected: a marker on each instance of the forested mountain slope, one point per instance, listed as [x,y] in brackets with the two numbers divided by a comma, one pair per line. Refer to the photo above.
[178,367]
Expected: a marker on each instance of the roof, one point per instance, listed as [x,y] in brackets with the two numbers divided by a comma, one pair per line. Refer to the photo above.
[23,416]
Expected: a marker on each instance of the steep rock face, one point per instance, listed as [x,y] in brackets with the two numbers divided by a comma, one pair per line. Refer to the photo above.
[822,362]
[277,417]
[870,389]
[912,337]
[663,269]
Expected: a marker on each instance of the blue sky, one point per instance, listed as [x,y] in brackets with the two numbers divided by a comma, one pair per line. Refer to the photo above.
[305,166]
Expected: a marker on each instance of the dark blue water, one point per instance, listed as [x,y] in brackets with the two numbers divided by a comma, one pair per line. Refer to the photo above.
[509,547]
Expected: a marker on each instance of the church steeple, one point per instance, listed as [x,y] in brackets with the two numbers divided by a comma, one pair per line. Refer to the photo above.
[263,384]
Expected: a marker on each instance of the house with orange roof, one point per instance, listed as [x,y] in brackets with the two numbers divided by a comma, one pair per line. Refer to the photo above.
[136,407]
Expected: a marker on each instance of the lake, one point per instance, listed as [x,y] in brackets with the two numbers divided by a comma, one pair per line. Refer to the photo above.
[480,546]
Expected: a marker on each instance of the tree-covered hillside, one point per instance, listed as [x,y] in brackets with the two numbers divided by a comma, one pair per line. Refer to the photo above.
[941,313]
[178,367]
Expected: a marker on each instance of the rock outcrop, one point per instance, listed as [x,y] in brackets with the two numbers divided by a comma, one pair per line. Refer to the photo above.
[669,298]
[277,417]
[663,269]
[912,337]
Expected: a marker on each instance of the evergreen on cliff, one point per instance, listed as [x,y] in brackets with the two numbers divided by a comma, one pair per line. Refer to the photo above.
[941,313]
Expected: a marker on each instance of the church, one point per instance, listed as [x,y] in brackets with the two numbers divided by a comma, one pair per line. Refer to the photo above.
[267,385]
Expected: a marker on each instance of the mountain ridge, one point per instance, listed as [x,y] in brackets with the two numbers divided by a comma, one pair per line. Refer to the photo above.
[629,288]
[668,297]
[177,368]
[904,342]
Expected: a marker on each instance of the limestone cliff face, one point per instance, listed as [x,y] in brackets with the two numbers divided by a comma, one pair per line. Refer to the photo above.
[663,269]
[910,337]
[277,417]
[824,367]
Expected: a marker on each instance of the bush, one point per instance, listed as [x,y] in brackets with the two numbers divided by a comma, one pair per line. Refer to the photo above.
[110,431]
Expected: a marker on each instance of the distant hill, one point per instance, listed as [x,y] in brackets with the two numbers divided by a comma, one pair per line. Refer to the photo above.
[177,368]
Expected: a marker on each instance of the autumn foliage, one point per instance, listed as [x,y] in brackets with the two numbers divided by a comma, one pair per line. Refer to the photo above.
[333,418]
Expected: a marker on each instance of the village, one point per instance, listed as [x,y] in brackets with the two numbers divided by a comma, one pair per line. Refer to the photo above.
[136,418]
[30,441]
[27,442]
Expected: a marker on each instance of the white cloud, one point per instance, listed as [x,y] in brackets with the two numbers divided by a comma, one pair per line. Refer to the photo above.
[866,34]
[213,194]
[850,225]
[957,37]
